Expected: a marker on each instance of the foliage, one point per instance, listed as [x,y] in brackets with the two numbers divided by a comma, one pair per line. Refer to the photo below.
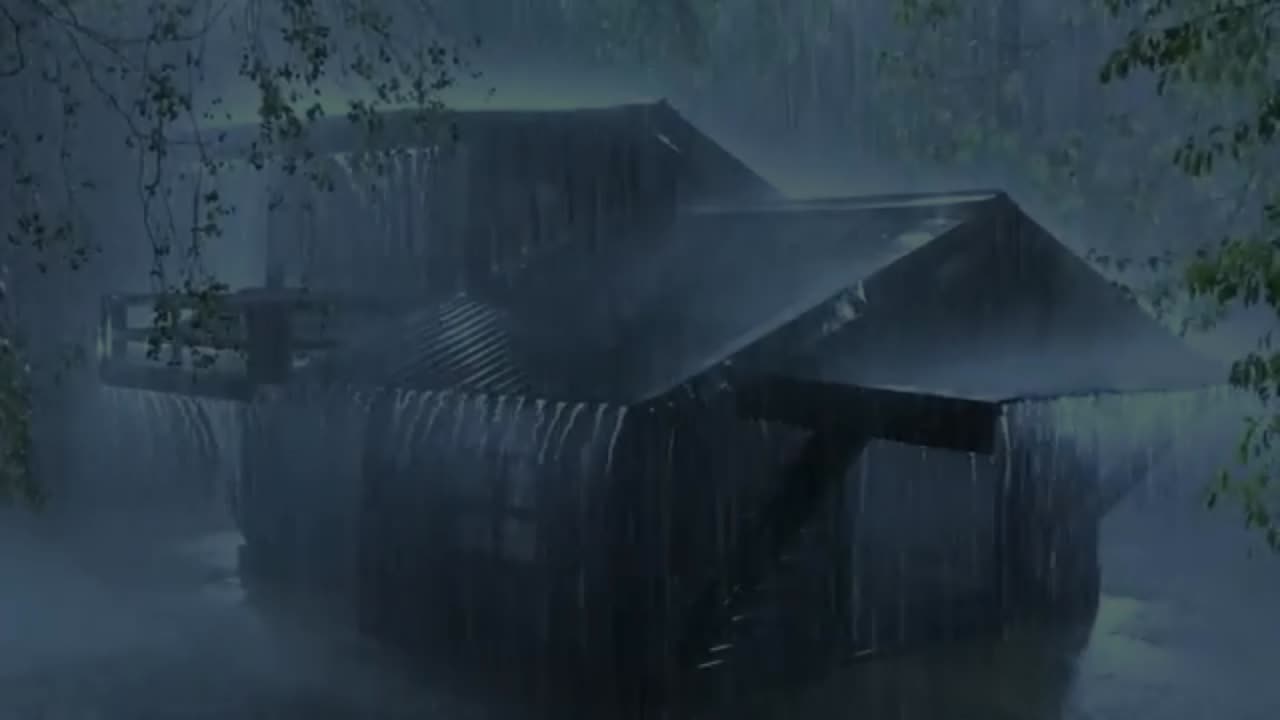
[677,28]
[1215,115]
[15,404]
[1228,47]
[140,94]
[1016,96]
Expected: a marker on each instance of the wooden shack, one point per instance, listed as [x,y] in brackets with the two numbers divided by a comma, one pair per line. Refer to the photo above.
[429,205]
[757,438]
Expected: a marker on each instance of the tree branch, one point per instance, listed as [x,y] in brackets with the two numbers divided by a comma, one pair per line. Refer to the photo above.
[19,52]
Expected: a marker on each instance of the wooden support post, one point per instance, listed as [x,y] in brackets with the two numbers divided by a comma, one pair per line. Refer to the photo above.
[841,531]
[807,482]
[483,223]
[275,274]
[914,418]
[111,327]
[269,346]
[1013,542]
[1001,561]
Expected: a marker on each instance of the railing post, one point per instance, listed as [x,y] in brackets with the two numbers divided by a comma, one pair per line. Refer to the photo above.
[269,342]
[111,329]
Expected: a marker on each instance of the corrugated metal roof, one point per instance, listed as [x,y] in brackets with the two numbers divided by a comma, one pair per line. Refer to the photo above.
[465,344]
[707,170]
[461,343]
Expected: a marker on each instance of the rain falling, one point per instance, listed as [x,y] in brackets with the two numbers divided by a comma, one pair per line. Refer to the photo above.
[610,359]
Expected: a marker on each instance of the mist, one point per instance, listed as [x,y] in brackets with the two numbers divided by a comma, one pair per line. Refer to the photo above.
[677,363]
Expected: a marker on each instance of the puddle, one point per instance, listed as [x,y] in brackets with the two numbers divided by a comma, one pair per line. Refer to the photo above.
[1125,640]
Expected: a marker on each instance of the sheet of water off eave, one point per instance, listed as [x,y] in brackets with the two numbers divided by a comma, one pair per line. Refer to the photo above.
[138,448]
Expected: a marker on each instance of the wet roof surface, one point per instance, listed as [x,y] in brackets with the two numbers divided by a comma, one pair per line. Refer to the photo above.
[720,281]
[458,343]
[1001,311]
[627,324]
[635,321]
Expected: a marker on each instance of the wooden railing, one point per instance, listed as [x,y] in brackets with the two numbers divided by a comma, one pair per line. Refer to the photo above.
[223,346]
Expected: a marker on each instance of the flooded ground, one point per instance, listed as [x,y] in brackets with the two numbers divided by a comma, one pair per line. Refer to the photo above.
[168,636]
[1191,628]
[95,630]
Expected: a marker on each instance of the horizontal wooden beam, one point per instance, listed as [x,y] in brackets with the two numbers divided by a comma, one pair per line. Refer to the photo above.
[187,337]
[906,416]
[259,326]
[158,377]
[298,300]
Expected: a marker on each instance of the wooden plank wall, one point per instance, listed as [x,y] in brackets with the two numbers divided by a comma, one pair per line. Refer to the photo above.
[391,226]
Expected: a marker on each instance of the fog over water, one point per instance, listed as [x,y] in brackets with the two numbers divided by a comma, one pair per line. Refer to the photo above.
[131,595]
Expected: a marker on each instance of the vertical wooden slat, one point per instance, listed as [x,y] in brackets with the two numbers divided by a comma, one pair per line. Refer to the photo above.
[460,209]
[403,192]
[419,222]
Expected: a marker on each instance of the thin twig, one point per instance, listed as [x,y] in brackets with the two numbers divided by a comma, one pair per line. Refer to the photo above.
[19,51]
